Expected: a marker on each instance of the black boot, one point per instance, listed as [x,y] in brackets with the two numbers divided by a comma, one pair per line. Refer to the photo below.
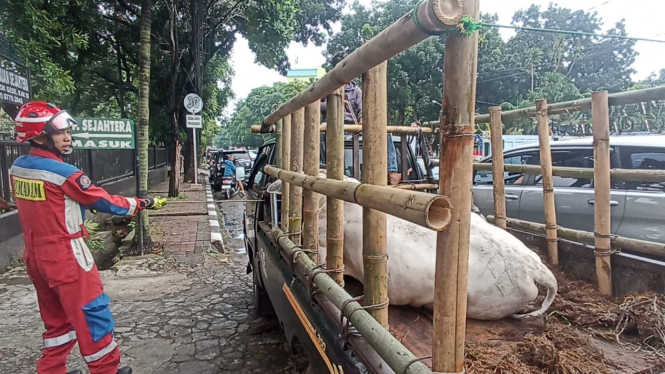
[75,372]
[125,370]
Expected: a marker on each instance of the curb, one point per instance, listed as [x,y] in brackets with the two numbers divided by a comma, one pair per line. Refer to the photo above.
[215,233]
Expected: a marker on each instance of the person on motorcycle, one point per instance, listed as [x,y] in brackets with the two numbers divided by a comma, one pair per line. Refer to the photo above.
[230,171]
[51,197]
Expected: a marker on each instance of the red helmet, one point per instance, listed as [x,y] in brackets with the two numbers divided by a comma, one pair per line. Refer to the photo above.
[39,117]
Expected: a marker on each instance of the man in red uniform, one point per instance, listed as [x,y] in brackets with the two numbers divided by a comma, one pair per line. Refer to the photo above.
[51,197]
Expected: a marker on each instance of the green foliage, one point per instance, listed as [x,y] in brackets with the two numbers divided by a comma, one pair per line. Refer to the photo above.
[252,110]
[84,55]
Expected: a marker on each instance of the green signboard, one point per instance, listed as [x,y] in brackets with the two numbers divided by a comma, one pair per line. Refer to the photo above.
[103,133]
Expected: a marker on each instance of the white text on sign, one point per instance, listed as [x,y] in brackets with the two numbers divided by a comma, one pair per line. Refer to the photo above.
[102,144]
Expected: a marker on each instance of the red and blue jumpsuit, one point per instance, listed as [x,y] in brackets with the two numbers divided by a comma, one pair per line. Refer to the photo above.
[51,197]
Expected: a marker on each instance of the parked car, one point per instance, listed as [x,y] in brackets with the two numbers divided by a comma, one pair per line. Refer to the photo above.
[638,208]
[242,159]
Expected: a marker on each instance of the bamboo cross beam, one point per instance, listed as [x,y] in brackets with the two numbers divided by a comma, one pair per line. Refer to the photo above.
[619,98]
[618,175]
[354,129]
[618,242]
[424,209]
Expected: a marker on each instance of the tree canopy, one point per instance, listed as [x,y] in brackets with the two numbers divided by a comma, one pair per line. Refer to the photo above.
[252,110]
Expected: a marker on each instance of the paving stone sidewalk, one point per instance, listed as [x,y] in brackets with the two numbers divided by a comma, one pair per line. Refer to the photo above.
[182,227]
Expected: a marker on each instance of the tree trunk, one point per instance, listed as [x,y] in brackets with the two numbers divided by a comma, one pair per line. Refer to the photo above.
[144,109]
[174,178]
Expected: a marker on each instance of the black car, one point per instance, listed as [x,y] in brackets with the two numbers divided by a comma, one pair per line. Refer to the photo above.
[242,159]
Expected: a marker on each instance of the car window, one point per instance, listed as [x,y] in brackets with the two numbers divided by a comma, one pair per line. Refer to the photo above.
[510,178]
[644,158]
[574,158]
[256,179]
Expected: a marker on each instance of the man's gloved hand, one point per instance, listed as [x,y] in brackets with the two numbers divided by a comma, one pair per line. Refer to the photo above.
[154,203]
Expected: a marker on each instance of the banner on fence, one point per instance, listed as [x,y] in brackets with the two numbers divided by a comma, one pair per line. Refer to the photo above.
[103,133]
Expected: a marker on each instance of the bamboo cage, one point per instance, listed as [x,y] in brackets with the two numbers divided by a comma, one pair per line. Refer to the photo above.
[602,175]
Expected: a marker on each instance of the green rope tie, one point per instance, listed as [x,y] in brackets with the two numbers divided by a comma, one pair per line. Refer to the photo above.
[466,26]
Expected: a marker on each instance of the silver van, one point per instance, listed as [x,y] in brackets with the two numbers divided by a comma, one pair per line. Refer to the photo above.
[638,209]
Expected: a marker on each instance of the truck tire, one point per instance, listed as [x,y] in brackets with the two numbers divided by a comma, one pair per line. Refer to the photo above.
[262,303]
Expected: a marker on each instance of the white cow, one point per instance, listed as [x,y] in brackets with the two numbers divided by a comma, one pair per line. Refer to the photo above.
[503,272]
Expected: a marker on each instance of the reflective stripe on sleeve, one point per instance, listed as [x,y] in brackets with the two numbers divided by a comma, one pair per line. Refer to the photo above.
[132,206]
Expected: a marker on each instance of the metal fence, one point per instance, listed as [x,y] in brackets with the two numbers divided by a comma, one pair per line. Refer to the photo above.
[102,166]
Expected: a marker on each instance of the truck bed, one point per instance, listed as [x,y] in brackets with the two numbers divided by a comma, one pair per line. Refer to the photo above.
[531,346]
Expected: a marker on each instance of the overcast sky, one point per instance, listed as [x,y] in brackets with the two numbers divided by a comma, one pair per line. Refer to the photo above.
[644,18]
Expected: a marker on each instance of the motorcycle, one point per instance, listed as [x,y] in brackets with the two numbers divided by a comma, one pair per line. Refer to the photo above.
[229,186]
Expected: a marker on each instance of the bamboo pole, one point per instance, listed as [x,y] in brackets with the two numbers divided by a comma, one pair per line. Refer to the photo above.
[286,161]
[432,16]
[619,98]
[398,357]
[424,209]
[456,177]
[278,144]
[548,182]
[602,209]
[335,170]
[375,172]
[617,175]
[295,194]
[354,129]
[416,187]
[310,205]
[499,184]
[618,242]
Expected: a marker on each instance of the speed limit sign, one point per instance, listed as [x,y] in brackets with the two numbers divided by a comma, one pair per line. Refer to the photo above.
[193,103]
